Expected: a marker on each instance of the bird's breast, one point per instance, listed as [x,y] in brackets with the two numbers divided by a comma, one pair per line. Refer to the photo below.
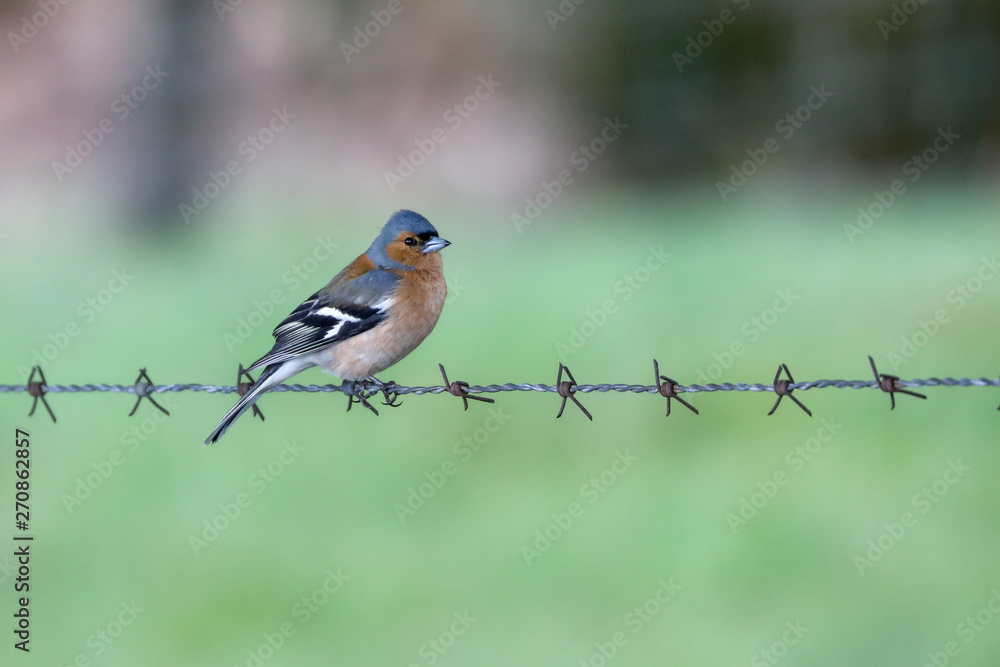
[419,299]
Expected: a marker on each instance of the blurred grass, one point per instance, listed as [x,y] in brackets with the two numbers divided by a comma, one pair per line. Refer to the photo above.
[515,298]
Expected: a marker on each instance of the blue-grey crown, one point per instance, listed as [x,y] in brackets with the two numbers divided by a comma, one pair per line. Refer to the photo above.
[401,221]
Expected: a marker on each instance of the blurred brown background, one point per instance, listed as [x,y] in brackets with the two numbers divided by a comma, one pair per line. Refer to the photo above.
[365,84]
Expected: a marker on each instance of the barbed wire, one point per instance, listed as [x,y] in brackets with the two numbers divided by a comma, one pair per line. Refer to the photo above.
[360,391]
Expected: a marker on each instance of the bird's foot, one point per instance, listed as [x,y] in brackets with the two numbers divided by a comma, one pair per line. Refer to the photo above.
[388,390]
[357,392]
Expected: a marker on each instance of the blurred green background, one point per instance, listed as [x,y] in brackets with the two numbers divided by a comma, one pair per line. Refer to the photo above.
[498,535]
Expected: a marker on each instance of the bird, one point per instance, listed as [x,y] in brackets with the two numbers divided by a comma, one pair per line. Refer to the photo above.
[373,313]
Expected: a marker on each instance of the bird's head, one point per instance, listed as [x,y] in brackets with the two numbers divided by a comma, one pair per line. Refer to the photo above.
[408,241]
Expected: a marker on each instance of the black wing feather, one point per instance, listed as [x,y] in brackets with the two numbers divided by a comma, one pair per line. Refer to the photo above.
[318,323]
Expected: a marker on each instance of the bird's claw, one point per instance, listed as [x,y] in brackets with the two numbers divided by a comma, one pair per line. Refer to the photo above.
[388,390]
[360,391]
[357,392]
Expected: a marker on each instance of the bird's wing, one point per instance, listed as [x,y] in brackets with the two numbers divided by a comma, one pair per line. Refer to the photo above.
[331,315]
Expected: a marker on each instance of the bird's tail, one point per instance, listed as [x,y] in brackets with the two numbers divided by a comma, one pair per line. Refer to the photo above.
[271,376]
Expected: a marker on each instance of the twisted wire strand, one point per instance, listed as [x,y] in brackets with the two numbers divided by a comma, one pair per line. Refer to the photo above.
[145,389]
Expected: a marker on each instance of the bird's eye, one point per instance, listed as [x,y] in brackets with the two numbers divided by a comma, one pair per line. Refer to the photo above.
[410,240]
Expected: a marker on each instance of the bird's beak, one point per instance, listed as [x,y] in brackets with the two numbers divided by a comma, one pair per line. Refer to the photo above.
[435,243]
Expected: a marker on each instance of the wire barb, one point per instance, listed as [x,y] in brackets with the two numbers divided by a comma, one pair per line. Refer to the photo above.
[781,388]
[890,385]
[37,391]
[141,388]
[668,388]
[565,389]
[243,387]
[461,389]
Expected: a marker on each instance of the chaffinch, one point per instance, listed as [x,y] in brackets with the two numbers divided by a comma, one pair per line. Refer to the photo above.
[371,315]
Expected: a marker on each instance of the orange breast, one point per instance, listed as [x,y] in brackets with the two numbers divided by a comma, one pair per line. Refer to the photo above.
[419,299]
